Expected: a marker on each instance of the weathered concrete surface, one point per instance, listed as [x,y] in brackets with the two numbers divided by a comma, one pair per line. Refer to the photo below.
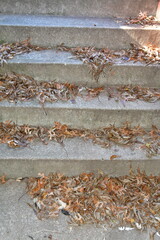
[61,66]
[95,113]
[18,221]
[89,8]
[74,157]
[52,31]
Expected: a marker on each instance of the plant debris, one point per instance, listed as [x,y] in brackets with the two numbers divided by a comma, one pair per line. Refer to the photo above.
[143,19]
[3,179]
[21,135]
[15,87]
[131,200]
[146,54]
[133,93]
[98,59]
[9,50]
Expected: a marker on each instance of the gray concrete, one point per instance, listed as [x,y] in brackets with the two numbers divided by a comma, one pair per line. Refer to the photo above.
[74,157]
[98,112]
[72,31]
[18,221]
[61,66]
[90,8]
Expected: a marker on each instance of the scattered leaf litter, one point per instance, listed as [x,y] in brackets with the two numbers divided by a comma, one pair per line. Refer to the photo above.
[21,135]
[129,202]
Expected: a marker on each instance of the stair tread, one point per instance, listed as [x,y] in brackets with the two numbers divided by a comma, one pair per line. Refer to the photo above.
[16,214]
[74,157]
[54,56]
[47,30]
[98,112]
[99,103]
[59,65]
[62,21]
[74,149]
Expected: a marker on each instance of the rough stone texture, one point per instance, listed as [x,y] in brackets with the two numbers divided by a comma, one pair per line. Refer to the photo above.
[98,112]
[89,8]
[18,221]
[52,31]
[74,157]
[52,65]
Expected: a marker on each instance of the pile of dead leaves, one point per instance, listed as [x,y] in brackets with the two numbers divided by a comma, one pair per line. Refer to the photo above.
[132,93]
[21,135]
[15,87]
[131,200]
[98,59]
[9,50]
[147,54]
[143,19]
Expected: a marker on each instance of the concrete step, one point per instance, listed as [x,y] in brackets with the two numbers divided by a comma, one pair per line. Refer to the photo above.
[73,31]
[51,64]
[74,157]
[19,222]
[95,113]
[89,8]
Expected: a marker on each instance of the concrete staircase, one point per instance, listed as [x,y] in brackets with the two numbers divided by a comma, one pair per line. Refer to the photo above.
[49,23]
[52,31]
[77,23]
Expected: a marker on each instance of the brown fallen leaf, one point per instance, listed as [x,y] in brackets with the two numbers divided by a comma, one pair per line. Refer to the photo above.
[114,156]
[3,179]
[143,19]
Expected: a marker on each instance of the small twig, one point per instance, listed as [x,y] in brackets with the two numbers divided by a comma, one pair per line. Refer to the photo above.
[30,237]
[151,235]
[22,195]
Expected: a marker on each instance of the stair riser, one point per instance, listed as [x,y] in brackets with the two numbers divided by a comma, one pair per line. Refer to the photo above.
[79,118]
[113,38]
[79,73]
[90,8]
[73,157]
[28,167]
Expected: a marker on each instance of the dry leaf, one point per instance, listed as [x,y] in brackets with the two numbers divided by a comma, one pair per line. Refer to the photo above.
[114,156]
[143,19]
[3,179]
